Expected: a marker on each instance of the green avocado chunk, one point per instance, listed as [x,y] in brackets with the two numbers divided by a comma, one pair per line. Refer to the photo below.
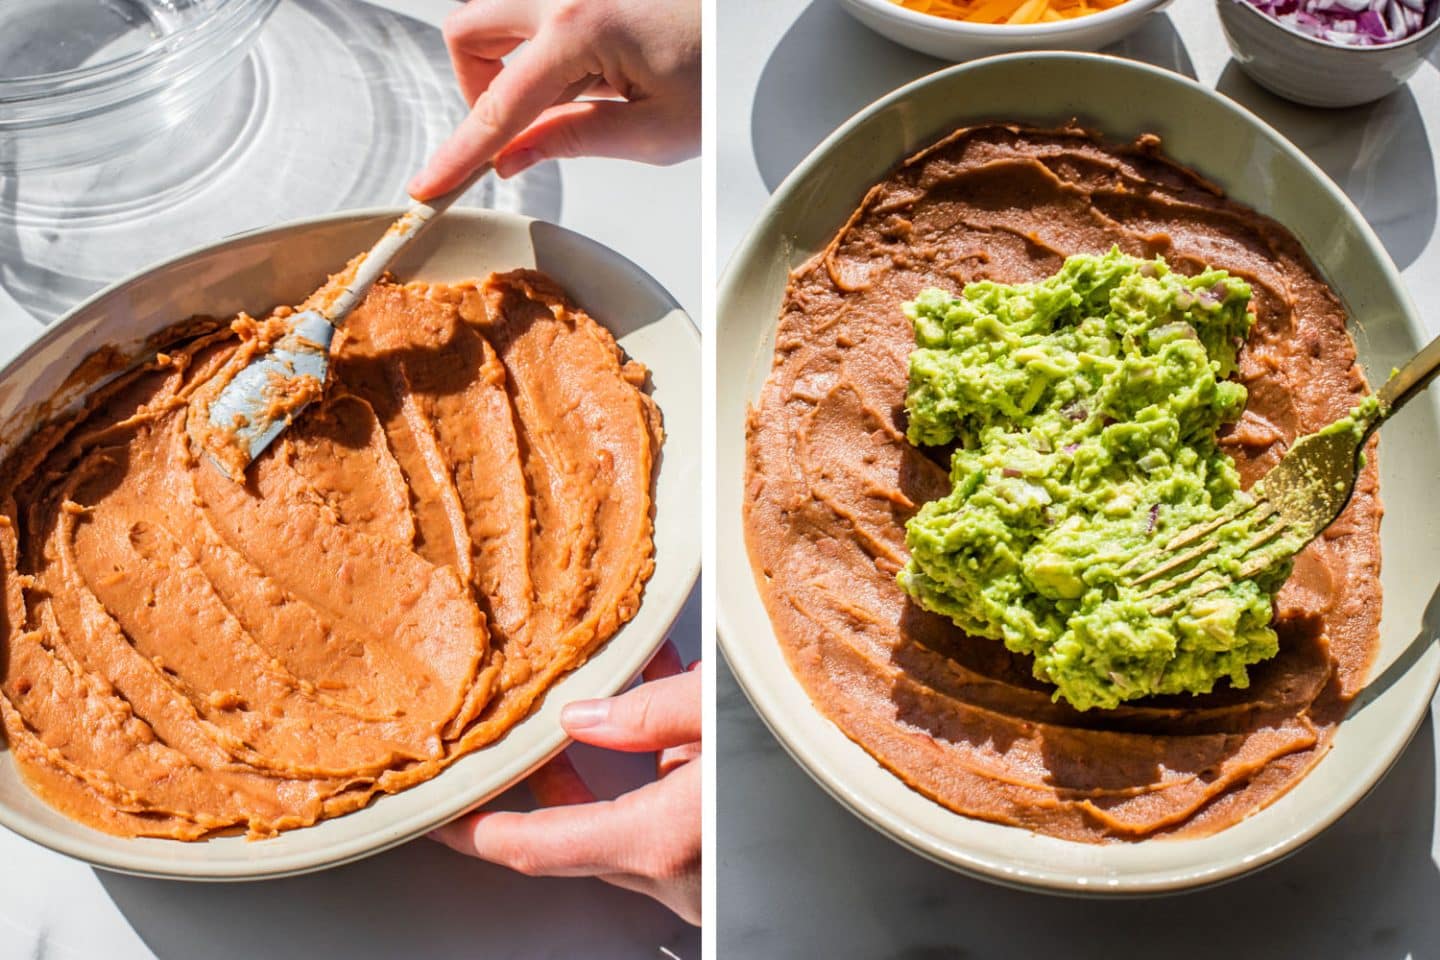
[1083,410]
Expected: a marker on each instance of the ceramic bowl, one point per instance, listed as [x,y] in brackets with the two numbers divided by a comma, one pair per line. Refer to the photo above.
[1257,166]
[282,265]
[959,40]
[1316,73]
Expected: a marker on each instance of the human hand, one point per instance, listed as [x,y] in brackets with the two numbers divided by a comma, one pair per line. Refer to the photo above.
[647,840]
[644,55]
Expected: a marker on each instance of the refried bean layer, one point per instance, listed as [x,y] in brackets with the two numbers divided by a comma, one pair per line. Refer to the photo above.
[831,480]
[462,518]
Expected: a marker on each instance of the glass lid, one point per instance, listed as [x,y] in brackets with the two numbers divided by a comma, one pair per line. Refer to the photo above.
[335,107]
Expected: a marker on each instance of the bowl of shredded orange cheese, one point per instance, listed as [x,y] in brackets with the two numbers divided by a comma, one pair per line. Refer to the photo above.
[1009,11]
[962,29]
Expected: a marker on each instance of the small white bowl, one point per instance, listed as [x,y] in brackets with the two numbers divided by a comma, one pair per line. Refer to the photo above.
[960,40]
[1257,166]
[1313,72]
[281,265]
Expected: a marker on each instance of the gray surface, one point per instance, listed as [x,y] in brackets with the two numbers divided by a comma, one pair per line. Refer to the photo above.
[420,901]
[798,875]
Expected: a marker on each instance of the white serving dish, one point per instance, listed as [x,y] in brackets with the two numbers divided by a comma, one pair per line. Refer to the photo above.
[960,40]
[281,265]
[1257,166]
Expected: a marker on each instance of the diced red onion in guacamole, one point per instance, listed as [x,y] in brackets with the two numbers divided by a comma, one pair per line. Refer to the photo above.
[1356,23]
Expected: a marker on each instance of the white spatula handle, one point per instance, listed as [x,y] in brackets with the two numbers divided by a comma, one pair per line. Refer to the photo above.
[399,236]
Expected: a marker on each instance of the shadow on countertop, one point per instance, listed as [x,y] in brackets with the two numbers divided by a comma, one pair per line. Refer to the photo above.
[1378,153]
[799,876]
[421,900]
[811,84]
[1157,43]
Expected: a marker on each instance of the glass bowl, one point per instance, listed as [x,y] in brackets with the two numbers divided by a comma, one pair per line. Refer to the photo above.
[82,80]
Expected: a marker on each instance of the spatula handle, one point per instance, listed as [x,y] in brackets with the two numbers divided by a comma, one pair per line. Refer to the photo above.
[402,232]
[413,223]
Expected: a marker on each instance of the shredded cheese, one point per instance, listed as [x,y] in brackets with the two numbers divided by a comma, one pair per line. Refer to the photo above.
[1009,11]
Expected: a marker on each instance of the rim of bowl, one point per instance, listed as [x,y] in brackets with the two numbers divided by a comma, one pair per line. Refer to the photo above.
[1372,48]
[943,26]
[53,329]
[395,834]
[62,83]
[875,814]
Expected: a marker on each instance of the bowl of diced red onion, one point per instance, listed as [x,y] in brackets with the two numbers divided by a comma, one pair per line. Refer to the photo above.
[1330,53]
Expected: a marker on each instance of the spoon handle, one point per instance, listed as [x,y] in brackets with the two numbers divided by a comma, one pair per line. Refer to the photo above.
[397,237]
[1410,379]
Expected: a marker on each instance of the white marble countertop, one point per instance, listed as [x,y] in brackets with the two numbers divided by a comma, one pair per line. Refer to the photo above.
[798,875]
[421,900]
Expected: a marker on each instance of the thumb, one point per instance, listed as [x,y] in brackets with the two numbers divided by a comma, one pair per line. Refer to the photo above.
[653,716]
[627,130]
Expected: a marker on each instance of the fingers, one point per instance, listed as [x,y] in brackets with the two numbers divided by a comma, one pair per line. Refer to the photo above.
[555,784]
[472,26]
[665,663]
[635,130]
[534,78]
[558,783]
[474,75]
[478,34]
[653,716]
[456,834]
[681,894]
[602,838]
[671,759]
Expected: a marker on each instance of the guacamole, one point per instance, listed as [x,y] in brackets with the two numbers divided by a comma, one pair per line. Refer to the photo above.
[1084,410]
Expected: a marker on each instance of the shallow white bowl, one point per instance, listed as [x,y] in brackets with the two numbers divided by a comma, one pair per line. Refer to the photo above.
[282,265]
[959,40]
[1319,74]
[1258,167]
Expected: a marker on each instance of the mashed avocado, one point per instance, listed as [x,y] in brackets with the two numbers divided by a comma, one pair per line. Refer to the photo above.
[1084,410]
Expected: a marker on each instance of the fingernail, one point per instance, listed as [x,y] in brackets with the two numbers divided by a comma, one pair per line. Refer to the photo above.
[416,186]
[583,714]
[509,164]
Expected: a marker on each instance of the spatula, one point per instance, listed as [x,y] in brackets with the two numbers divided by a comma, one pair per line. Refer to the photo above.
[248,406]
